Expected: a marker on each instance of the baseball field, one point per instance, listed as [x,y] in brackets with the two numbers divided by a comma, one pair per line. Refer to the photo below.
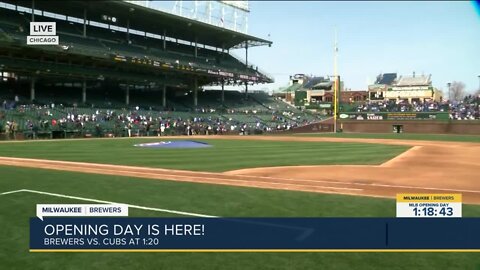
[237,176]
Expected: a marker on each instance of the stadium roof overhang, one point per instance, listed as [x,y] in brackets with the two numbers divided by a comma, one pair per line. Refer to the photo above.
[148,20]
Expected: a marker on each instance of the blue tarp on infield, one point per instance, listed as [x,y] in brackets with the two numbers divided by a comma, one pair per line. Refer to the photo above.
[174,144]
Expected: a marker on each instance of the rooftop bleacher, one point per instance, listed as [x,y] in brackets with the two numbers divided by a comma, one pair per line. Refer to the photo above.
[386,78]
[314,81]
[421,80]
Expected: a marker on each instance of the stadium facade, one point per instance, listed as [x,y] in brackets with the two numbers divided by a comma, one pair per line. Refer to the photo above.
[311,91]
[389,87]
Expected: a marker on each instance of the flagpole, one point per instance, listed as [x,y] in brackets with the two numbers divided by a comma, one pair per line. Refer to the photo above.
[335,84]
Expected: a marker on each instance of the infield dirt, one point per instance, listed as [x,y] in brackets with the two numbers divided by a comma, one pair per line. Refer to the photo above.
[427,167]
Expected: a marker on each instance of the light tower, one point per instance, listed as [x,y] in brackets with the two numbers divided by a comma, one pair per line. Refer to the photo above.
[335,83]
[232,15]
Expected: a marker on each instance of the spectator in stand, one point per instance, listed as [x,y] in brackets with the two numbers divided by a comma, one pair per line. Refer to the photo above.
[467,109]
[129,129]
[7,129]
[14,129]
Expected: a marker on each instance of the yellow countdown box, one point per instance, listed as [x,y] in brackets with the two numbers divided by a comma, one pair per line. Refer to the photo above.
[429,205]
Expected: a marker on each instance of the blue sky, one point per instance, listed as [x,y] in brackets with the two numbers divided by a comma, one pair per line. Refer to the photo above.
[438,38]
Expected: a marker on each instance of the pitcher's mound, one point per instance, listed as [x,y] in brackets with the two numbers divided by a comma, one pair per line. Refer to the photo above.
[174,144]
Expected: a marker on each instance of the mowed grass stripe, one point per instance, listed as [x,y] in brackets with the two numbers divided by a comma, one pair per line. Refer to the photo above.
[225,155]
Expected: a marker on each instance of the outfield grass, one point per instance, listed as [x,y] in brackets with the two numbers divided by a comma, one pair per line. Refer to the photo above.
[225,155]
[401,136]
[219,200]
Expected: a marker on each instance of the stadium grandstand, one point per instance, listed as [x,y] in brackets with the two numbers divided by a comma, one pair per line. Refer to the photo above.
[122,65]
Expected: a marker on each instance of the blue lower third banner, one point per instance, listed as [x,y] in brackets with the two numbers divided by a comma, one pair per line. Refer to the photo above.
[170,234]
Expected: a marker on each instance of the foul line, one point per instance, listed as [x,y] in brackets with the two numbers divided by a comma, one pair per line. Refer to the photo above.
[372,185]
[109,202]
[13,191]
[106,169]
[304,231]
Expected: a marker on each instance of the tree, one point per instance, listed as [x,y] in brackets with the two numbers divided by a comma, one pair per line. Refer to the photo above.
[439,94]
[457,91]
[477,93]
